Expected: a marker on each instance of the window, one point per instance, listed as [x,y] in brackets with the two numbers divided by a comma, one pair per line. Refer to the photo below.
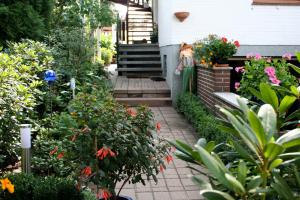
[276,2]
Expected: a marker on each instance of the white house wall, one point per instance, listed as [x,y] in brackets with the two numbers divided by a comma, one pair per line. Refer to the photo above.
[235,19]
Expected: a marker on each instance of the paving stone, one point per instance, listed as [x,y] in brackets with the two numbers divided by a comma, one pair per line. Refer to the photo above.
[173,182]
[162,196]
[145,196]
[179,195]
[194,195]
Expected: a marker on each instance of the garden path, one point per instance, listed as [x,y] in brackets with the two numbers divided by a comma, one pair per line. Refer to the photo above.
[174,183]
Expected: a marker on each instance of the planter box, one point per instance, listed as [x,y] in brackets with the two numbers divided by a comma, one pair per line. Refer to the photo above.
[210,81]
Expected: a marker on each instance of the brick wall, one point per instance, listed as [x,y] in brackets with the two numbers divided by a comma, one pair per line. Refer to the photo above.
[211,80]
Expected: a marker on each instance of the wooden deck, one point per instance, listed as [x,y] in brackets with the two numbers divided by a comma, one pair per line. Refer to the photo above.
[135,91]
[125,85]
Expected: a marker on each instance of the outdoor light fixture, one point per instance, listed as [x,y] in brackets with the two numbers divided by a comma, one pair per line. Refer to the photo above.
[25,131]
[73,86]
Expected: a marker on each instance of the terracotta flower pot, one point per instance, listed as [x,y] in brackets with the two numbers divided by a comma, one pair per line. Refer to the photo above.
[181,16]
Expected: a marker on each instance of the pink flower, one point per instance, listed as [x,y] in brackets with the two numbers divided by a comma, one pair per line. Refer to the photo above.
[249,55]
[269,60]
[270,71]
[240,69]
[274,80]
[257,56]
[237,85]
[287,56]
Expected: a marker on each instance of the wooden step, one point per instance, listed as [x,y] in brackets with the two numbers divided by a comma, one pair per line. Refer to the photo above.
[140,69]
[139,56]
[154,102]
[139,45]
[140,62]
[139,49]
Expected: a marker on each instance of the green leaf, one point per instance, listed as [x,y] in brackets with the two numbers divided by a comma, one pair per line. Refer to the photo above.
[213,165]
[184,157]
[272,150]
[204,185]
[268,95]
[255,92]
[254,183]
[243,104]
[210,146]
[257,128]
[202,142]
[290,139]
[293,115]
[236,186]
[295,91]
[282,188]
[268,119]
[242,172]
[242,130]
[215,195]
[183,147]
[242,151]
[286,103]
[275,164]
[295,68]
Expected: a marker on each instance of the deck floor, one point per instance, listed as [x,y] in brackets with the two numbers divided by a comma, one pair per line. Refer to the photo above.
[141,85]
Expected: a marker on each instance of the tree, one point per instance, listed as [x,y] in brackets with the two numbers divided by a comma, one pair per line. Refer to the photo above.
[24,19]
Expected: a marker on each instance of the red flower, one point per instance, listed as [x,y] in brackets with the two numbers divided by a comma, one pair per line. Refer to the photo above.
[131,112]
[103,152]
[60,155]
[237,44]
[74,137]
[87,171]
[224,39]
[158,126]
[169,159]
[105,194]
[53,151]
[161,168]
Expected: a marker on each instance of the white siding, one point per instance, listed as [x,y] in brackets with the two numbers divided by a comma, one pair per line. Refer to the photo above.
[235,19]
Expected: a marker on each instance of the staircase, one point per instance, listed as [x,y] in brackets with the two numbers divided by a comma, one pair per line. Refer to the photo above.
[139,60]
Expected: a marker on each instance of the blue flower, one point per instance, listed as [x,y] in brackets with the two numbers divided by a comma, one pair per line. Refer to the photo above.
[50,76]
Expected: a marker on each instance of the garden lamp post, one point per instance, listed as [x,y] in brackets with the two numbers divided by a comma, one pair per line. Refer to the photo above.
[73,86]
[25,131]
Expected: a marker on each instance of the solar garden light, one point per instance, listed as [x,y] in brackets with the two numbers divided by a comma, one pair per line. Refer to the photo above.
[25,131]
[73,86]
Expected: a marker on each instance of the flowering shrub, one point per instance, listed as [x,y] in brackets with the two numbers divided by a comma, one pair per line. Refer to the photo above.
[7,185]
[263,70]
[111,143]
[214,49]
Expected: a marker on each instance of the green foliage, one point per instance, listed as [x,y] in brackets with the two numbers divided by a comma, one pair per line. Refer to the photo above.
[106,56]
[24,19]
[20,72]
[30,187]
[255,74]
[214,49]
[282,100]
[204,122]
[88,13]
[262,155]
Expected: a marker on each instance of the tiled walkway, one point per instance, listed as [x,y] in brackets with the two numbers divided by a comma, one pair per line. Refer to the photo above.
[174,183]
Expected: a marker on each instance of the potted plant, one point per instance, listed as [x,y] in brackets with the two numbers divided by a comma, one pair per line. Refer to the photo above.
[154,34]
[112,144]
[215,50]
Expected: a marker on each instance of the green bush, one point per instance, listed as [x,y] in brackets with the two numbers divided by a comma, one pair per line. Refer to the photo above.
[29,187]
[21,69]
[205,123]
[106,55]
